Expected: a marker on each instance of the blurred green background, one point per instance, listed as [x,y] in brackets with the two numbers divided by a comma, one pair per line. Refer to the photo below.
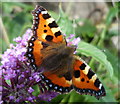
[96,23]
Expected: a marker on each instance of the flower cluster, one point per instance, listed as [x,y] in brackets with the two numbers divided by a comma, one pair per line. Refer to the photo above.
[17,78]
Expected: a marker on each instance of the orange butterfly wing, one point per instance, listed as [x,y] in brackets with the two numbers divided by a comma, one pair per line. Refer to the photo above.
[54,82]
[45,32]
[33,52]
[45,27]
[85,81]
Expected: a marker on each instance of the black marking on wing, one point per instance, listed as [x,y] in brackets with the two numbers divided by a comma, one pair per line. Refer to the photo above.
[90,74]
[76,73]
[82,66]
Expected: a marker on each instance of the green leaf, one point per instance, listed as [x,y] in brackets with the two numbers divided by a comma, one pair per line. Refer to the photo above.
[112,33]
[114,61]
[58,99]
[16,18]
[90,50]
[66,98]
[75,97]
[36,91]
[65,23]
[112,13]
[87,28]
[109,96]
[54,14]
[3,46]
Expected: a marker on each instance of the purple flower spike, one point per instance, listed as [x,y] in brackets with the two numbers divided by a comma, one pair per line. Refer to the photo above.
[18,79]
[48,96]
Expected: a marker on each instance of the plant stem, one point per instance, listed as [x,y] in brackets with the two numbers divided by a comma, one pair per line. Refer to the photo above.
[91,62]
[95,40]
[100,66]
[0,55]
[68,9]
[100,43]
[113,3]
[4,32]
[102,36]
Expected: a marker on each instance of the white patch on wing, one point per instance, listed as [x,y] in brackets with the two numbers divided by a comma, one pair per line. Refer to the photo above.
[94,77]
[44,12]
[49,20]
[100,86]
[86,70]
[54,30]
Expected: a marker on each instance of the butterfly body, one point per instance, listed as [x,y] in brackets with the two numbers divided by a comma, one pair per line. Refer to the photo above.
[57,58]
[63,70]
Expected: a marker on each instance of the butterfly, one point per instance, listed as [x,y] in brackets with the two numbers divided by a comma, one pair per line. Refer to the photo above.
[63,70]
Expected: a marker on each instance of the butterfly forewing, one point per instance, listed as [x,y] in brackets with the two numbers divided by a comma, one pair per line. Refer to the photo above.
[45,26]
[45,33]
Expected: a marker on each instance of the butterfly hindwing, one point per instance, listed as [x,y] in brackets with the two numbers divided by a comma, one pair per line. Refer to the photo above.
[82,79]
[54,82]
[85,81]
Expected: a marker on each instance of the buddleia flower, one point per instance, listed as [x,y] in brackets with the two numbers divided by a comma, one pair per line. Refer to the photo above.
[17,76]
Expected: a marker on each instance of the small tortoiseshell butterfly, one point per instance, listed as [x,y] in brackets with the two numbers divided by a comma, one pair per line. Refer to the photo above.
[63,70]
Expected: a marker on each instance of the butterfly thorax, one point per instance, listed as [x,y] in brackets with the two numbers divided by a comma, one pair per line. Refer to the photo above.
[57,57]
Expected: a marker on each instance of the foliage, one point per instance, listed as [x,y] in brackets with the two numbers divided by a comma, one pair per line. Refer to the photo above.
[102,58]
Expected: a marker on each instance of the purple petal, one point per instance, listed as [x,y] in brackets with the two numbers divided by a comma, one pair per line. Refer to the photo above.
[30,90]
[18,39]
[71,36]
[76,41]
[11,97]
